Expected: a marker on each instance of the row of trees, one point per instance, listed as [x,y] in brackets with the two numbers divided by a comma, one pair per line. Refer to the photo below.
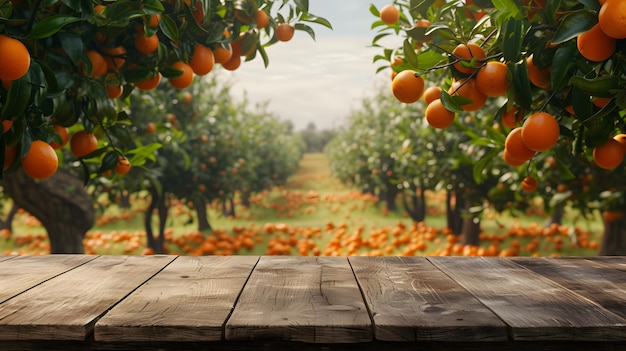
[543,47]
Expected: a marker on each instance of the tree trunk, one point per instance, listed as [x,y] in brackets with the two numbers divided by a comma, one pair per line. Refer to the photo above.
[60,203]
[203,218]
[389,195]
[157,202]
[416,208]
[556,217]
[453,213]
[471,227]
[245,199]
[124,199]
[614,239]
[8,223]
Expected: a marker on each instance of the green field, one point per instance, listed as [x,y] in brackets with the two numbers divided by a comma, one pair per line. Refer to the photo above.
[314,214]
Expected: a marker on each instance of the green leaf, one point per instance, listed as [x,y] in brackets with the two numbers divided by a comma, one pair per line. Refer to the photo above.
[513,33]
[409,53]
[453,103]
[72,45]
[305,28]
[51,25]
[600,86]
[574,24]
[18,98]
[307,17]
[562,65]
[169,28]
[302,5]
[520,90]
[508,8]
[581,101]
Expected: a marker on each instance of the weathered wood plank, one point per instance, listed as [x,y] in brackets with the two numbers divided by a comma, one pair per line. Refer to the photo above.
[307,299]
[7,257]
[615,262]
[411,300]
[534,307]
[24,272]
[601,284]
[189,300]
[66,307]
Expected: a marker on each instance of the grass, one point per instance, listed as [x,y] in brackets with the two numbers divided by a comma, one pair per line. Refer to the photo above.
[313,213]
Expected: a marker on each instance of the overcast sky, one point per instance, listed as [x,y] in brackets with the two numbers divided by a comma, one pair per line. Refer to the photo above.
[318,81]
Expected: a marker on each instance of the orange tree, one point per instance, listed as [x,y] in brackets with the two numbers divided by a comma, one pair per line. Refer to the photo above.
[68,63]
[556,69]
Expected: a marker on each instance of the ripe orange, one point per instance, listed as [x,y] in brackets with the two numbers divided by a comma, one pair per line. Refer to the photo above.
[146,45]
[621,138]
[389,14]
[261,19]
[510,160]
[83,143]
[6,125]
[438,116]
[284,32]
[185,79]
[432,93]
[594,45]
[233,63]
[63,134]
[516,147]
[467,52]
[202,60]
[406,87]
[539,77]
[151,128]
[608,155]
[612,18]
[15,58]
[540,131]
[491,79]
[123,165]
[600,101]
[222,54]
[467,88]
[114,91]
[149,83]
[114,57]
[510,117]
[153,20]
[529,184]
[98,64]
[41,160]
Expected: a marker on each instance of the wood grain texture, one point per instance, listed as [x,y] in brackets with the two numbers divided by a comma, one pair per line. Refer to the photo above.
[189,300]
[66,307]
[307,299]
[615,262]
[411,300]
[534,307]
[596,282]
[7,257]
[24,272]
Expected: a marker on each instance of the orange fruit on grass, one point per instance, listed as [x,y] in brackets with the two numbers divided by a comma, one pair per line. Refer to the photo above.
[15,58]
[406,87]
[540,131]
[467,52]
[202,60]
[185,79]
[83,143]
[467,88]
[123,166]
[529,184]
[389,14]
[149,83]
[516,147]
[612,18]
[438,116]
[594,45]
[63,135]
[284,32]
[539,77]
[431,94]
[41,160]
[491,79]
[608,155]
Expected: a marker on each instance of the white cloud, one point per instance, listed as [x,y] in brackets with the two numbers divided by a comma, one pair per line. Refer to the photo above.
[316,81]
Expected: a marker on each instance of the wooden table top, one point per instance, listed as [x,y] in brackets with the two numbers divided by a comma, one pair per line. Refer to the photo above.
[250,302]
